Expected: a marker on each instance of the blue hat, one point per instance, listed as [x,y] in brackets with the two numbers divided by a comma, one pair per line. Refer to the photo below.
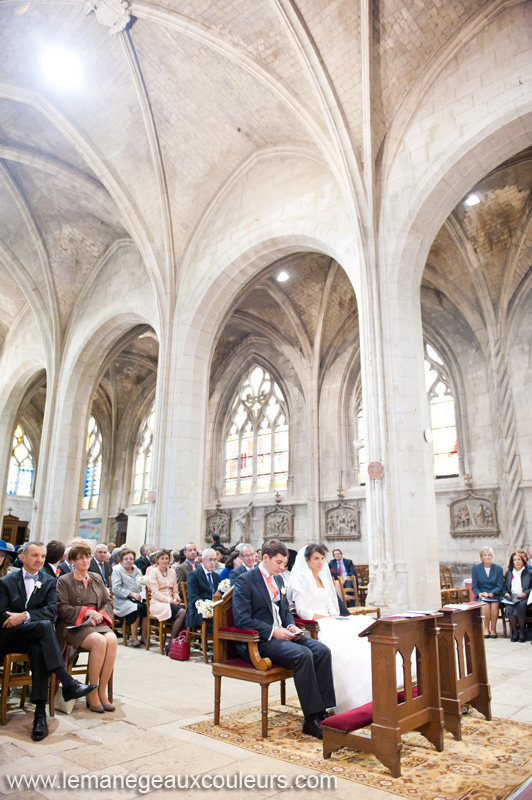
[4,546]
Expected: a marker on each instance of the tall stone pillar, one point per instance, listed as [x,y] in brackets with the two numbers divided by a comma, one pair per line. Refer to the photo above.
[401,507]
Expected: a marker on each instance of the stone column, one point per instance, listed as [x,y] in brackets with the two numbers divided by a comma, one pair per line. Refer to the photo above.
[401,507]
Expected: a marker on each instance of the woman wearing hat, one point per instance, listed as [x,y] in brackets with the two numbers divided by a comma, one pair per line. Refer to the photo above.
[6,555]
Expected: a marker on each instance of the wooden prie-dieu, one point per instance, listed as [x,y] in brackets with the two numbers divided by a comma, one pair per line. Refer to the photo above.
[414,640]
[463,671]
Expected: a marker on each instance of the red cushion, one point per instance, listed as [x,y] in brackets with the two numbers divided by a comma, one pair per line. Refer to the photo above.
[358,717]
[351,720]
[300,622]
[227,629]
[240,662]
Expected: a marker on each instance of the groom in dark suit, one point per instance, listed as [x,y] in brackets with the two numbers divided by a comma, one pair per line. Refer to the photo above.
[27,610]
[260,603]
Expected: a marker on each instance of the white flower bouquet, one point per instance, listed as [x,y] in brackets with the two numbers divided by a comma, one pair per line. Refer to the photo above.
[224,586]
[204,607]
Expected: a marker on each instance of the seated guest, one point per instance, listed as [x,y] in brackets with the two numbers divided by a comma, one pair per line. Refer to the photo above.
[220,562]
[232,563]
[6,556]
[127,599]
[487,583]
[201,585]
[82,596]
[66,566]
[143,561]
[340,565]
[191,553]
[165,602]
[100,563]
[247,556]
[27,610]
[517,587]
[55,551]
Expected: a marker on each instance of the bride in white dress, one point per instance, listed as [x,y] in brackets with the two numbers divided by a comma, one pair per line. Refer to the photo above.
[313,595]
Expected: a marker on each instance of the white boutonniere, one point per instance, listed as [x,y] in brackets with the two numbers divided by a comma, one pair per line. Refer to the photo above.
[283,589]
[38,585]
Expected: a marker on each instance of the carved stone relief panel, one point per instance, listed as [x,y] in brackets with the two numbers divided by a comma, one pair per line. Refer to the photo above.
[279,523]
[342,521]
[220,523]
[473,515]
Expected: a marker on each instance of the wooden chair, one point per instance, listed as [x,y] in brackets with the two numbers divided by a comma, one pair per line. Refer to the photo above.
[198,635]
[229,664]
[463,671]
[159,628]
[350,594]
[15,671]
[449,593]
[391,713]
[362,571]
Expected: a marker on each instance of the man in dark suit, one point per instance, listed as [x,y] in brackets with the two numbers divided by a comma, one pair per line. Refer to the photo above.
[247,554]
[340,565]
[28,607]
[143,562]
[55,551]
[190,551]
[100,565]
[260,603]
[201,585]
[66,565]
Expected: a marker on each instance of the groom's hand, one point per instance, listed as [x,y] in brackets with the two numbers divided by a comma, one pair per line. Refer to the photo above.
[282,633]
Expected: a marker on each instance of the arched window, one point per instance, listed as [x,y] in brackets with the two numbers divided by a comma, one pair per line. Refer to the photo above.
[442,413]
[20,478]
[256,447]
[93,470]
[143,451]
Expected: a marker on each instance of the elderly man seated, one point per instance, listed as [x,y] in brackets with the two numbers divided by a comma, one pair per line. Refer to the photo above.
[28,607]
[201,585]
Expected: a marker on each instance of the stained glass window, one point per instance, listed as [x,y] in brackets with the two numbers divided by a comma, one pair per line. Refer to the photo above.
[20,478]
[256,446]
[444,435]
[143,454]
[93,470]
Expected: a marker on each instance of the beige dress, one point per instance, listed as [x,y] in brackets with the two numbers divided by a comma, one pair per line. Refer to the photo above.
[74,597]
[163,591]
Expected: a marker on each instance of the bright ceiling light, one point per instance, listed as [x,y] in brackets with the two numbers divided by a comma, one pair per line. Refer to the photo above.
[472,200]
[61,68]
[283,276]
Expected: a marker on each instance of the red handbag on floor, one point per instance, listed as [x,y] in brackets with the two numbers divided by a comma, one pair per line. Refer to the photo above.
[180,647]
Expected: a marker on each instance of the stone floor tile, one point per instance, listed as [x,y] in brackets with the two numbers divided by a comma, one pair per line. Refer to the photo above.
[182,759]
[45,764]
[523,715]
[124,748]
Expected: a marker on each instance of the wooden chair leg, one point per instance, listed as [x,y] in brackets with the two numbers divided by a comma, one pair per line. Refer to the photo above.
[5,681]
[162,636]
[283,693]
[217,698]
[204,641]
[52,688]
[110,687]
[124,632]
[264,710]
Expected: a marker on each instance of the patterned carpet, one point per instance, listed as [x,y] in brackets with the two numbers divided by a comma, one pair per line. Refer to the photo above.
[490,763]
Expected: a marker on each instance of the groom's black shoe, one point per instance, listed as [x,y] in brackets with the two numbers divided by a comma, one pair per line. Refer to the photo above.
[77,690]
[321,716]
[40,728]
[312,727]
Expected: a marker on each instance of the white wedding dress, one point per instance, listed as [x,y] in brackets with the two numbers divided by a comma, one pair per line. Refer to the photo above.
[351,654]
